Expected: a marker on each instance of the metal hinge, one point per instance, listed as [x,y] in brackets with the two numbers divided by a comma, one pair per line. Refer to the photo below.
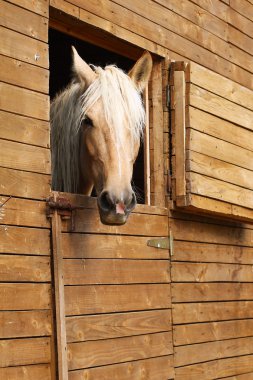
[162,243]
[63,207]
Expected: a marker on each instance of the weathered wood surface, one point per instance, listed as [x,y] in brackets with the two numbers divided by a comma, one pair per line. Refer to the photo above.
[25,372]
[152,369]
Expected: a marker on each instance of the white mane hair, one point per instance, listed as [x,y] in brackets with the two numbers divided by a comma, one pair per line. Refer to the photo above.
[120,100]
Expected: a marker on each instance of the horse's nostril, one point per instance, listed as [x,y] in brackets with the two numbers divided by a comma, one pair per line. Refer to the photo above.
[132,203]
[105,201]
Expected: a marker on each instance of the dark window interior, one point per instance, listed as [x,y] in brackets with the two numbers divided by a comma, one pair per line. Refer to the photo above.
[60,75]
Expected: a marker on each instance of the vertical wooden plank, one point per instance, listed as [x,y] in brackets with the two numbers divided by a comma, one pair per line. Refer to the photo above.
[157,124]
[147,150]
[179,99]
[62,362]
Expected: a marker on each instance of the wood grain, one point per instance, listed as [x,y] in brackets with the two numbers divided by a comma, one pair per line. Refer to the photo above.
[35,371]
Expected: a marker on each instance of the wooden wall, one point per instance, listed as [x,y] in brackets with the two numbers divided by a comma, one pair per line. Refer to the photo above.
[25,275]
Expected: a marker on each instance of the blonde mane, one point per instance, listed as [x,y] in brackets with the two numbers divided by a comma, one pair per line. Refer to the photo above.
[120,100]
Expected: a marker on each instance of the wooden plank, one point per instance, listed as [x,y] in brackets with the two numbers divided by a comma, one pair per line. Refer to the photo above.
[115,298]
[211,272]
[24,157]
[116,325]
[23,48]
[220,85]
[218,106]
[23,129]
[156,120]
[31,241]
[198,16]
[219,149]
[240,22]
[193,292]
[179,101]
[159,368]
[146,148]
[23,212]
[210,311]
[90,271]
[17,324]
[24,351]
[143,225]
[15,268]
[245,376]
[35,371]
[25,296]
[103,352]
[84,246]
[206,332]
[243,7]
[201,352]
[24,21]
[22,74]
[204,252]
[61,351]
[220,190]
[24,102]
[219,128]
[216,368]
[65,7]
[220,170]
[241,40]
[38,6]
[24,184]
[211,233]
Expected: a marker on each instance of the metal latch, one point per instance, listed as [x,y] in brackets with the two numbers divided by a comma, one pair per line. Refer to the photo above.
[162,243]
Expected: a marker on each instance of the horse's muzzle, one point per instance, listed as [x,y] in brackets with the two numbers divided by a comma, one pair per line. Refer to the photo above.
[113,211]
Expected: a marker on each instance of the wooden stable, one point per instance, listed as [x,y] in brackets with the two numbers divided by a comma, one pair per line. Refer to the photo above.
[80,300]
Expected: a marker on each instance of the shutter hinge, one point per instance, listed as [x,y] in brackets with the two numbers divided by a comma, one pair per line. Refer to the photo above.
[162,243]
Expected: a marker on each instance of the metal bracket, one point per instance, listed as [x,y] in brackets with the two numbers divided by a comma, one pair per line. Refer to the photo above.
[63,207]
[162,243]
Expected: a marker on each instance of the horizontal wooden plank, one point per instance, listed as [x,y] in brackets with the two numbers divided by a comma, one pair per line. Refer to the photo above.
[15,352]
[17,324]
[24,157]
[207,332]
[110,351]
[159,368]
[138,224]
[25,296]
[23,74]
[115,298]
[216,105]
[86,246]
[216,368]
[24,102]
[211,272]
[219,149]
[220,85]
[211,233]
[38,6]
[31,241]
[35,371]
[204,252]
[15,268]
[217,189]
[24,48]
[211,292]
[219,128]
[243,7]
[65,7]
[210,311]
[24,21]
[201,352]
[23,212]
[24,184]
[245,376]
[24,129]
[211,167]
[116,325]
[90,271]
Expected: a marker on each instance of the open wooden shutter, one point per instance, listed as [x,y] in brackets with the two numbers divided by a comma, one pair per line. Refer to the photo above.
[212,142]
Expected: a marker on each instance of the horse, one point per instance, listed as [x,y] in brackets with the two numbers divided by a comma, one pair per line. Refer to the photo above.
[97,123]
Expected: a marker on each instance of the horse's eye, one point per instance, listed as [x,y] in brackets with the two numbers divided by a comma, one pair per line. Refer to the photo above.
[87,121]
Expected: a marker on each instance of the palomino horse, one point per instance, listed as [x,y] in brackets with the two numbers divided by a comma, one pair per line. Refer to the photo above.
[96,126]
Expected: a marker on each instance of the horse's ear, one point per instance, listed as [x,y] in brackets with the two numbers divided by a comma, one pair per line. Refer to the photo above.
[140,72]
[82,69]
